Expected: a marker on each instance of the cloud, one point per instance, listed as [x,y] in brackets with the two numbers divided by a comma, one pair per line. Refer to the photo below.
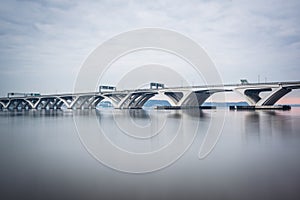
[51,39]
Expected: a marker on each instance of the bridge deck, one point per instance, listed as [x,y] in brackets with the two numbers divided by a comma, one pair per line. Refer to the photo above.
[294,84]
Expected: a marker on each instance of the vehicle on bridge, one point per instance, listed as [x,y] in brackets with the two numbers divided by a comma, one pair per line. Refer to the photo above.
[18,94]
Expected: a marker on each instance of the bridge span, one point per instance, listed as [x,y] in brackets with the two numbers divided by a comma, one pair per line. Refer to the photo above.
[132,99]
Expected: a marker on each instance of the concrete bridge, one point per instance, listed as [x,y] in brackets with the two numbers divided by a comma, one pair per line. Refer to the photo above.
[131,99]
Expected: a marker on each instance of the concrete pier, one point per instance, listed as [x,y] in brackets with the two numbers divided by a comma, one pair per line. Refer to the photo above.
[276,107]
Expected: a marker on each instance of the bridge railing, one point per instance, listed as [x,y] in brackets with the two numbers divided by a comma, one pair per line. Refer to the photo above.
[155,89]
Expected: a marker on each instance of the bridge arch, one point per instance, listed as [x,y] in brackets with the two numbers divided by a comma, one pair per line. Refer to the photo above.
[252,94]
[191,97]
[2,104]
[32,102]
[273,97]
[95,101]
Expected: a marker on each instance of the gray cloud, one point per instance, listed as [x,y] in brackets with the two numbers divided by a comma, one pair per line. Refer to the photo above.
[43,43]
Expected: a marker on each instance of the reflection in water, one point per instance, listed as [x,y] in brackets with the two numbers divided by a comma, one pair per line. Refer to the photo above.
[197,113]
[42,156]
[138,113]
[265,125]
[142,131]
[192,113]
[252,125]
[175,115]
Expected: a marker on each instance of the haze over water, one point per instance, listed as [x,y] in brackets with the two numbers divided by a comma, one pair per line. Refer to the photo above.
[256,157]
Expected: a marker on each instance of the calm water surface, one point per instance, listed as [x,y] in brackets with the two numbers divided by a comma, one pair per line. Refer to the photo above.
[256,157]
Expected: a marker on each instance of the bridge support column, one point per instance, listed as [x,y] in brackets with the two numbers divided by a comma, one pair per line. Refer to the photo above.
[191,98]
[135,100]
[273,97]
[45,104]
[59,104]
[253,98]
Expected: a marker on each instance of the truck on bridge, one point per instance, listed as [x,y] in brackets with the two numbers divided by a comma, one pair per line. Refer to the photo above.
[18,94]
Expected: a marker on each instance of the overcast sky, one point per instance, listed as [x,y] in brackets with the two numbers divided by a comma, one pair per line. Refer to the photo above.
[44,43]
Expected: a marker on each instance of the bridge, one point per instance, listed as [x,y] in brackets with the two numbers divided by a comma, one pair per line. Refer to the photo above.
[134,99]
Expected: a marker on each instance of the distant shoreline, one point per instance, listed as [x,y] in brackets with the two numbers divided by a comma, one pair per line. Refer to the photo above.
[152,103]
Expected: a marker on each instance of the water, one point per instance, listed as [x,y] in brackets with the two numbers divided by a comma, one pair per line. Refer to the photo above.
[256,157]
